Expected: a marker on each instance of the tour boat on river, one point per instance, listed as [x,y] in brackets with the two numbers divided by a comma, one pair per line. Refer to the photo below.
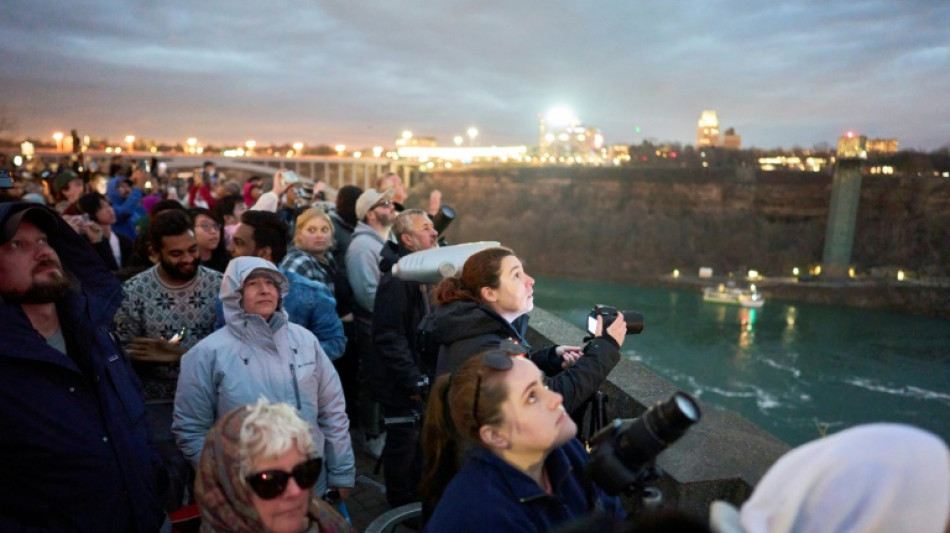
[734,296]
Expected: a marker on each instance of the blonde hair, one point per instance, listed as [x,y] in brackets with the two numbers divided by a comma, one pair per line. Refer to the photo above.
[269,431]
[309,215]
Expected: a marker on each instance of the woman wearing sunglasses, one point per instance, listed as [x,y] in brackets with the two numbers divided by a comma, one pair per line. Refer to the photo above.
[259,353]
[489,303]
[523,471]
[257,470]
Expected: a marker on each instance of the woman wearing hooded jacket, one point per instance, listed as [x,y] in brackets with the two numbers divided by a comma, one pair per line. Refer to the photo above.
[489,303]
[259,353]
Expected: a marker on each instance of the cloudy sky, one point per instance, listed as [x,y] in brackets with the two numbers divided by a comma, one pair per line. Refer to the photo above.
[358,72]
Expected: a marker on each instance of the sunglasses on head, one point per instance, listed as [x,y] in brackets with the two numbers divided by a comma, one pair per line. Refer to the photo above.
[500,360]
[270,484]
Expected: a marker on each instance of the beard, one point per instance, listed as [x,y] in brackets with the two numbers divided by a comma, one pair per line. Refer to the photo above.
[41,293]
[176,272]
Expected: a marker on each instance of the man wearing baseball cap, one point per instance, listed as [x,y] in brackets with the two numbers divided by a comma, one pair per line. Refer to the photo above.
[75,445]
[376,212]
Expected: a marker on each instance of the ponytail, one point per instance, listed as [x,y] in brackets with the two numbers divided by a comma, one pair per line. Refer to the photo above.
[440,444]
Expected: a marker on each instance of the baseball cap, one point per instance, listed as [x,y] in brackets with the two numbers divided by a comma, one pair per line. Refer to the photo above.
[41,216]
[370,198]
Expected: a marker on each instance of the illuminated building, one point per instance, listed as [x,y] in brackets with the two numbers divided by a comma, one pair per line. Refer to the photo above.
[707,131]
[563,139]
[731,140]
[882,146]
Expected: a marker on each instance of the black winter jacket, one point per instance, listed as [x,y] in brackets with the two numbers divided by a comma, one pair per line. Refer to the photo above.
[74,450]
[399,362]
[464,329]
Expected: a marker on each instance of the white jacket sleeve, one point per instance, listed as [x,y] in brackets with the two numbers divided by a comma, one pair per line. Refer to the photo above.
[195,403]
[333,423]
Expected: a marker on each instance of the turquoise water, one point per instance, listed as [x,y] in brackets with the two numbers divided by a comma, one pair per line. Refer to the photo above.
[792,368]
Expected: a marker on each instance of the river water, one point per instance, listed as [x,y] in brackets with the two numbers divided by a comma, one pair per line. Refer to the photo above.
[795,369]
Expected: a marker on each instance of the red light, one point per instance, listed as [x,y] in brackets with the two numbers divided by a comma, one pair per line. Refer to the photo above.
[644,158]
[673,155]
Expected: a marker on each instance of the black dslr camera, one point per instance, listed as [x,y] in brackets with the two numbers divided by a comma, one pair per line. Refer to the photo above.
[633,318]
[622,453]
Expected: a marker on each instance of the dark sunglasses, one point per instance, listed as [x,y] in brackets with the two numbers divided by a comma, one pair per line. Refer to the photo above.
[384,203]
[500,360]
[270,484]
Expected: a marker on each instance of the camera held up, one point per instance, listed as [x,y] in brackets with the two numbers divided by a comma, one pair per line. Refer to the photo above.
[634,319]
[622,453]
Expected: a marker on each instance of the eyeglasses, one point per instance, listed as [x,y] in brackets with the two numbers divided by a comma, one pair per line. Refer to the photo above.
[496,360]
[270,484]
[210,227]
[384,203]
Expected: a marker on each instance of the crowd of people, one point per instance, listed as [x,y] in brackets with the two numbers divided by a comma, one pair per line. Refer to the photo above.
[234,344]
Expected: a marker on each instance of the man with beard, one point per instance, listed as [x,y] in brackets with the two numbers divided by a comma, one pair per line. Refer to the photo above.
[74,452]
[167,310]
[376,212]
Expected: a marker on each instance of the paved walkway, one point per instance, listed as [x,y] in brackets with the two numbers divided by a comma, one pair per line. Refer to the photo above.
[368,498]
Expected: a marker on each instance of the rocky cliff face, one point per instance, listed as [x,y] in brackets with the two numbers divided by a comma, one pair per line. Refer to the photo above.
[623,224]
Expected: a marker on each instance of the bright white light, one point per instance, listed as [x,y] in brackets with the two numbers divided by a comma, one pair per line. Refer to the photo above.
[457,140]
[407,135]
[559,117]
[472,132]
[377,150]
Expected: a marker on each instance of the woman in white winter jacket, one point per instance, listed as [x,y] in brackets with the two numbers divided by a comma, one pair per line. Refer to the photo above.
[259,353]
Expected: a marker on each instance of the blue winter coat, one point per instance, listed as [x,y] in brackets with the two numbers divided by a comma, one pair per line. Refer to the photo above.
[488,494]
[74,451]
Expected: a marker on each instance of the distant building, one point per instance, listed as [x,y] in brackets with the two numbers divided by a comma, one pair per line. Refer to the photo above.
[882,146]
[707,132]
[731,140]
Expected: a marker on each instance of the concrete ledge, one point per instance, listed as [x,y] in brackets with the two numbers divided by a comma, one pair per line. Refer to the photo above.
[722,457]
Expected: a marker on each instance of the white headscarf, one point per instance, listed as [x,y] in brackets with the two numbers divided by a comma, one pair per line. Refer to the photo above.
[873,478]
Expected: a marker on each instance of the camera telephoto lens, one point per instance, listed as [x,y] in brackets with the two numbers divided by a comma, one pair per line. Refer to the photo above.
[634,322]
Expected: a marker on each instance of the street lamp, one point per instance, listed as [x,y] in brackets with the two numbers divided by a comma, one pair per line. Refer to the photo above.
[250,147]
[458,140]
[191,144]
[377,151]
[298,148]
[340,148]
[130,140]
[472,133]
[58,137]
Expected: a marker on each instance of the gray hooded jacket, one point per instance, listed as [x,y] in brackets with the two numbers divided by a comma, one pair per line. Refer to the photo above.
[250,358]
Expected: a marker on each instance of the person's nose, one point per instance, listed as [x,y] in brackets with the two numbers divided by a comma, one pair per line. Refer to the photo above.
[292,488]
[530,280]
[556,399]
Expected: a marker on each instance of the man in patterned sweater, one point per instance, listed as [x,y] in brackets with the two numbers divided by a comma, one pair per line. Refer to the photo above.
[167,309]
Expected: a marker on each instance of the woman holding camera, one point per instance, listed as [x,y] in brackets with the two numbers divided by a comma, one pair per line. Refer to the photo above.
[257,472]
[489,303]
[523,469]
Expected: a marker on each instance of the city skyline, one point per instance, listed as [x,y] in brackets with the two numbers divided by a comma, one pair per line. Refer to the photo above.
[781,74]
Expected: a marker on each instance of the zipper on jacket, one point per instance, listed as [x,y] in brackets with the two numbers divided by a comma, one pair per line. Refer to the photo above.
[293,376]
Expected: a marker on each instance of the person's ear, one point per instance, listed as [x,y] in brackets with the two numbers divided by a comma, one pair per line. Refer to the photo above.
[494,437]
[153,256]
[488,294]
[404,239]
[263,252]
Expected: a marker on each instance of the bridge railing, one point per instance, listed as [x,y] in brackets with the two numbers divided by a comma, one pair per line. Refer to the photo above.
[335,171]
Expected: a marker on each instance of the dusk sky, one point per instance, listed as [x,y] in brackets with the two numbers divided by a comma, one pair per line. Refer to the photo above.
[782,73]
